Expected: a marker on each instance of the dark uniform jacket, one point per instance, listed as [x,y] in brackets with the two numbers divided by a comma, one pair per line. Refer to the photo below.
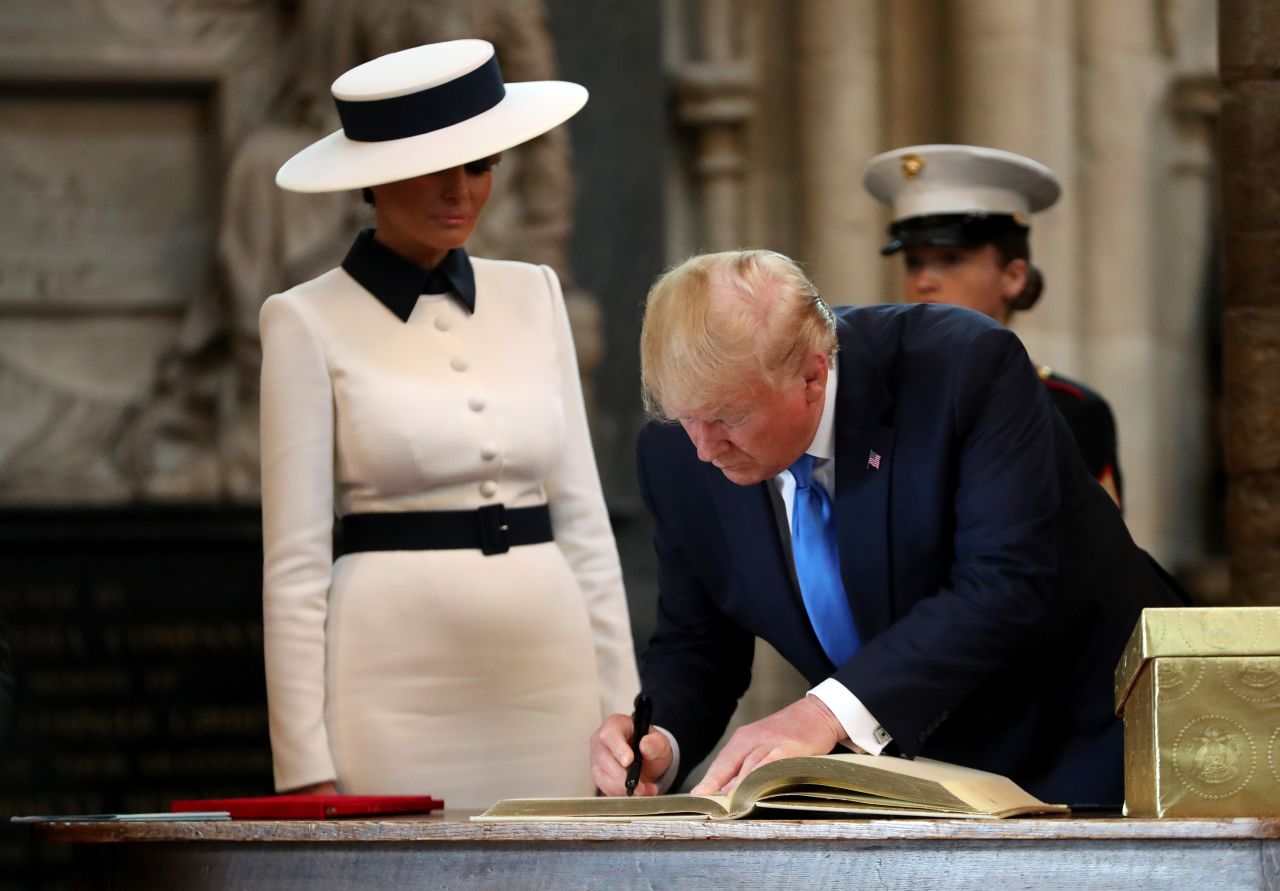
[993,583]
[1093,426]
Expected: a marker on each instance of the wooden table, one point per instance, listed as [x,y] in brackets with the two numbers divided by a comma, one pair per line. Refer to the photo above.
[448,851]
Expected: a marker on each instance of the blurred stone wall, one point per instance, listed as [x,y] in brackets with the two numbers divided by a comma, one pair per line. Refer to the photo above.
[138,144]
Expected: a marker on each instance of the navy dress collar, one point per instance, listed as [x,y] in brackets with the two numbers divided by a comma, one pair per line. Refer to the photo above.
[397,282]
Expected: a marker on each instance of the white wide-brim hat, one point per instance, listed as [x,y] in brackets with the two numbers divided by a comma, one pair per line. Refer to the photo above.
[423,110]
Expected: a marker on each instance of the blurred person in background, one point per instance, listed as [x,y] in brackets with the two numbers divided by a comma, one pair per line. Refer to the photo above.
[960,221]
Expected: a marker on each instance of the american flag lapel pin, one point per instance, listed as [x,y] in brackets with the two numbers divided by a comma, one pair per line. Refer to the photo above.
[873,459]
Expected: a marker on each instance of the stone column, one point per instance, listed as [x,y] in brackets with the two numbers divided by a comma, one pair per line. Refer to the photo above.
[837,58]
[918,86]
[918,66]
[714,96]
[1085,87]
[1144,256]
[1249,146]
[1119,173]
[1015,87]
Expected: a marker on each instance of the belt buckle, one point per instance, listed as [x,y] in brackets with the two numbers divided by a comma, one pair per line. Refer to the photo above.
[493,529]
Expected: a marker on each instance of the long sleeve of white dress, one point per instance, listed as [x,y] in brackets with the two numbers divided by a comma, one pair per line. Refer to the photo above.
[297,517]
[581,523]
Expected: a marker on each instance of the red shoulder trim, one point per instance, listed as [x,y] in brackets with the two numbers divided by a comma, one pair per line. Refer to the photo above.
[1065,388]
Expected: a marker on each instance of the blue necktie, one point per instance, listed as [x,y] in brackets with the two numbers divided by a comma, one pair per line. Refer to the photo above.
[813,541]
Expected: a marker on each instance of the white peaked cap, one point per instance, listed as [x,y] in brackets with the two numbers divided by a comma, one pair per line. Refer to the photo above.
[925,180]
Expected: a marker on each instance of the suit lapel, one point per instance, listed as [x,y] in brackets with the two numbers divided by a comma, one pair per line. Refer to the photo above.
[761,557]
[862,487]
[756,541]
[784,537]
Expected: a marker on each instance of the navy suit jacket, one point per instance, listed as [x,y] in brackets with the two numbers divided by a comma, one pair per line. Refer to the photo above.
[993,582]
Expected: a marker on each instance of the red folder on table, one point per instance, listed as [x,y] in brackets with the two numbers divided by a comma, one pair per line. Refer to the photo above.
[311,807]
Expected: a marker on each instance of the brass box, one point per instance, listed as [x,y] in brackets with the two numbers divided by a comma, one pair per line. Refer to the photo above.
[1199,689]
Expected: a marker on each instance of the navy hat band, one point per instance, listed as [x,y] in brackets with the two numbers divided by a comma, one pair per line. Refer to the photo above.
[434,108]
[950,230]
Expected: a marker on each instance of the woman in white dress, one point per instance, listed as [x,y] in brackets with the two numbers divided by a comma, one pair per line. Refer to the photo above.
[474,631]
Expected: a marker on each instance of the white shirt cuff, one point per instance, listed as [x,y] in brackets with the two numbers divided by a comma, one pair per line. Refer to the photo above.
[863,729]
[669,777]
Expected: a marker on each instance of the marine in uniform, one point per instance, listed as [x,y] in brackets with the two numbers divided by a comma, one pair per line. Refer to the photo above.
[960,220]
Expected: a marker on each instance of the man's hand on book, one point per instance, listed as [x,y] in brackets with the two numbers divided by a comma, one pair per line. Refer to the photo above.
[611,756]
[806,727]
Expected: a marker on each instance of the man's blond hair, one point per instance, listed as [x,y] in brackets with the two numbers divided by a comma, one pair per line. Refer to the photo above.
[718,322]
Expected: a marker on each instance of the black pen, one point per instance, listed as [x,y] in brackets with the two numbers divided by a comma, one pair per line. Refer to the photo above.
[640,728]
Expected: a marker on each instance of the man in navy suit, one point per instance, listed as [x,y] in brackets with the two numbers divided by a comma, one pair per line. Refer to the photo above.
[985,584]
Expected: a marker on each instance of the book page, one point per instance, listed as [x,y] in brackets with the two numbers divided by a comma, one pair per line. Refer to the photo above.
[796,809]
[686,807]
[896,783]
[800,795]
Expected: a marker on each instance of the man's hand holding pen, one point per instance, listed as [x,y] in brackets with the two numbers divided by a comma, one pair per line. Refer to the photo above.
[611,756]
[641,719]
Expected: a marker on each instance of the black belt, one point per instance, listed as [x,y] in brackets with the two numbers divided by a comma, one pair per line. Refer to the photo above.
[493,530]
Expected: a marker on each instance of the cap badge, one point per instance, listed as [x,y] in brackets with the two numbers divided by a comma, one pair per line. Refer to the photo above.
[912,165]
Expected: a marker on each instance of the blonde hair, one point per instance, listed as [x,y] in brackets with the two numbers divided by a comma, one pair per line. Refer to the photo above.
[717,322]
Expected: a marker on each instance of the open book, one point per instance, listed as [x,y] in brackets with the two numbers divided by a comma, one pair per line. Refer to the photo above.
[847,785]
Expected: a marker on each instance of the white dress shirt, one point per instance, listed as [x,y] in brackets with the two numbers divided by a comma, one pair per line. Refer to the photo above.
[864,731]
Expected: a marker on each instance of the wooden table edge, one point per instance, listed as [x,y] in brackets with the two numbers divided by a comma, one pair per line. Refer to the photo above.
[456,827]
